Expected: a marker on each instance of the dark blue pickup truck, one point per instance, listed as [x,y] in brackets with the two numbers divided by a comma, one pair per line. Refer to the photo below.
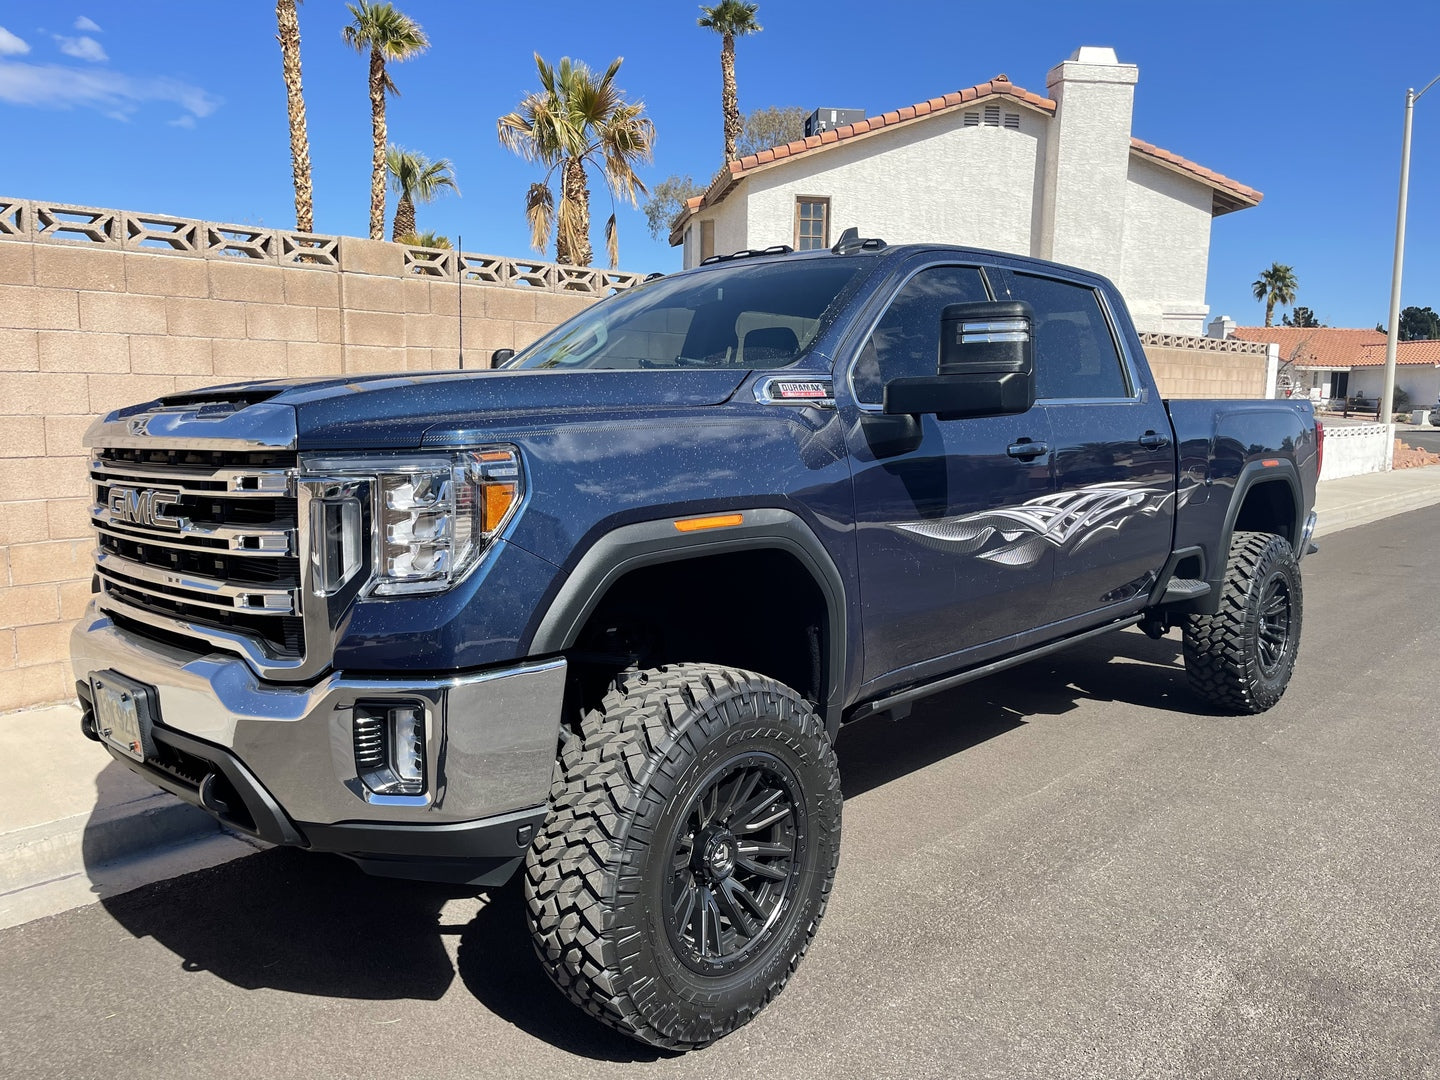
[598,616]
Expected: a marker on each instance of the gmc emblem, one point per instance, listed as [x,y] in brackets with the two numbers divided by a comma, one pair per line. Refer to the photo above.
[136,506]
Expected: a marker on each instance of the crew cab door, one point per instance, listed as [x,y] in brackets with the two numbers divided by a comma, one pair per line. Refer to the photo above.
[942,569]
[1114,461]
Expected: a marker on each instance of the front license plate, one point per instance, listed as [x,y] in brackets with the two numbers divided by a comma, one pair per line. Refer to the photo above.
[122,713]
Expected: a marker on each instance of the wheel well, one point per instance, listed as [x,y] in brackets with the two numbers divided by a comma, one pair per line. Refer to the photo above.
[1269,507]
[759,610]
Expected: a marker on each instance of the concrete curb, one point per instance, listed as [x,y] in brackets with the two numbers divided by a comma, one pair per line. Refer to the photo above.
[40,853]
[1359,500]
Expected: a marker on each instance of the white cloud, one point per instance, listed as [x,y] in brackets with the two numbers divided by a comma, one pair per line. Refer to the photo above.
[87,25]
[10,45]
[184,120]
[58,86]
[82,48]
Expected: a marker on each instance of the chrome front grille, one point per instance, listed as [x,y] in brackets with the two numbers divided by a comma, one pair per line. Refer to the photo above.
[203,544]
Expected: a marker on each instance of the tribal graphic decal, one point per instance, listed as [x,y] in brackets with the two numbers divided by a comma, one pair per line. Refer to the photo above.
[1019,536]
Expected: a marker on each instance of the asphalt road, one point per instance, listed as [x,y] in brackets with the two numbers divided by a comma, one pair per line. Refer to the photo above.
[1424,440]
[1065,871]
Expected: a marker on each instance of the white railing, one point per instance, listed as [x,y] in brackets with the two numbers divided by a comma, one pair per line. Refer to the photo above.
[1354,449]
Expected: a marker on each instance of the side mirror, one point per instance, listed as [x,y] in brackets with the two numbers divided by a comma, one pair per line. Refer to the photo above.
[500,356]
[986,365]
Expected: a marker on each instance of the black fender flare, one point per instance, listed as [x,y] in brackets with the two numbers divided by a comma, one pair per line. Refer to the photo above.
[1251,476]
[647,543]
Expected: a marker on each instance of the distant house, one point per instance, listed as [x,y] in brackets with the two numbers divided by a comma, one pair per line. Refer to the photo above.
[993,166]
[1338,362]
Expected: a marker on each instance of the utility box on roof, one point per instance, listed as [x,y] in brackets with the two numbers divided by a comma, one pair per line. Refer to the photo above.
[826,119]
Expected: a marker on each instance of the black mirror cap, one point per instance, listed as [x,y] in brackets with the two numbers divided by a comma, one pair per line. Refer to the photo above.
[957,397]
[989,337]
[500,357]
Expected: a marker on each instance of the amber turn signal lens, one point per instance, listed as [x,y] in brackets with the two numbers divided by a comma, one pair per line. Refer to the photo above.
[717,521]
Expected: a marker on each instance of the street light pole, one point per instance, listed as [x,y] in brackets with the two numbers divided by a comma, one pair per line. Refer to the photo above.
[1392,336]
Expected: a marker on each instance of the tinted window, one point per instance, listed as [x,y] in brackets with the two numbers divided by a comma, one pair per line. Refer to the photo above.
[906,341]
[1075,354]
[740,314]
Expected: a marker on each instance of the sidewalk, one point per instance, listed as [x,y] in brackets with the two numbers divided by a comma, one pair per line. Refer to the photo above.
[75,826]
[1359,500]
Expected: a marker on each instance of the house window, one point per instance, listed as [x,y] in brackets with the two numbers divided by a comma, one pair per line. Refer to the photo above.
[812,223]
[707,239]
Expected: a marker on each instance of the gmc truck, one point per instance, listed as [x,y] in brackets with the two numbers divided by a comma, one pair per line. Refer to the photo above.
[597,616]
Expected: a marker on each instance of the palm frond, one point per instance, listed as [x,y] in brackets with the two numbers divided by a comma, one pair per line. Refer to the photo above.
[540,213]
[731,17]
[379,26]
[612,243]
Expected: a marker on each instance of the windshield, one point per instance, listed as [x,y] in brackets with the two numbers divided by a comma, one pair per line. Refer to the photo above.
[733,316]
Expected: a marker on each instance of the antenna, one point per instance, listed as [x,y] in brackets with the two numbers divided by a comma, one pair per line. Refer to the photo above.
[460,292]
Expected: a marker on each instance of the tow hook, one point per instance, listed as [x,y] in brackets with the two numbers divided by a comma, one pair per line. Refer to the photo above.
[209,800]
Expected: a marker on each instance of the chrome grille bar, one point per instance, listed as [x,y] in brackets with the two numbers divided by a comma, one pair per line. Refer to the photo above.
[176,586]
[230,483]
[268,543]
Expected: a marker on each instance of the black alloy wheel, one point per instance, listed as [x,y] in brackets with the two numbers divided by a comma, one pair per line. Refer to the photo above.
[1274,629]
[733,862]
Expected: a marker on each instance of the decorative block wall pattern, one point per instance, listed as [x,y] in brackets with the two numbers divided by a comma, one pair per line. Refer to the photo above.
[1199,367]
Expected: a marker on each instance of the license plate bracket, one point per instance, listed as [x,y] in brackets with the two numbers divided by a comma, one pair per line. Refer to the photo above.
[124,713]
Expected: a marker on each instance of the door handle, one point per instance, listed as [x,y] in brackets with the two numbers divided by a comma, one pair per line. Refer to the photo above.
[1152,440]
[1024,448]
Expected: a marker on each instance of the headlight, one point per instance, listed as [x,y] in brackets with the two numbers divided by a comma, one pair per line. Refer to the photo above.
[433,514]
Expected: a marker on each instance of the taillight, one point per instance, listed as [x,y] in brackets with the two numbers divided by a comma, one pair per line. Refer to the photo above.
[1319,446]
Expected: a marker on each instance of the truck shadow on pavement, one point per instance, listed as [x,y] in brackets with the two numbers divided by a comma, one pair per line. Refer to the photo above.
[314,924]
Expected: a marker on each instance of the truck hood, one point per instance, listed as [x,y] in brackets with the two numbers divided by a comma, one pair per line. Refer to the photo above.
[409,409]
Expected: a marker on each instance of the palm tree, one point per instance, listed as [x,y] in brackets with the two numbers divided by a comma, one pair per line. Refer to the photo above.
[391,38]
[730,19]
[425,239]
[576,119]
[1275,286]
[289,38]
[415,178]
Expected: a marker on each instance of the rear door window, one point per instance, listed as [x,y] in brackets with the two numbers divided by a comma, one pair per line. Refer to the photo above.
[1075,353]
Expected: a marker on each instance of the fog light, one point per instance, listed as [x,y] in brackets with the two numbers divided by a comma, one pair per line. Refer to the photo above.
[407,739]
[390,748]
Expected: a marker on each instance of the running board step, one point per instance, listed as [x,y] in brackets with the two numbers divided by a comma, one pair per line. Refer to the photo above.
[1177,589]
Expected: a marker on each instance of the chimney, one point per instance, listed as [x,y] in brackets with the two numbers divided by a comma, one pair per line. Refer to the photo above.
[1087,160]
[1222,326]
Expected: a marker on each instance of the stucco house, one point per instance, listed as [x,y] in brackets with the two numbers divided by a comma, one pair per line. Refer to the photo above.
[1329,362]
[992,166]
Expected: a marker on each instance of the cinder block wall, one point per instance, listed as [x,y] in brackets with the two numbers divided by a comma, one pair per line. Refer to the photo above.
[1196,367]
[102,308]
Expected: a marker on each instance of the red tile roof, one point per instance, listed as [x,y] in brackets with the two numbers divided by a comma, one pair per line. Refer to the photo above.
[1338,346]
[1324,346]
[1230,194]
[1406,352]
[999,86]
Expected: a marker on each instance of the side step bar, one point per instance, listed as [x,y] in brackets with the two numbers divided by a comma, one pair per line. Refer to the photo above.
[1177,589]
[901,700]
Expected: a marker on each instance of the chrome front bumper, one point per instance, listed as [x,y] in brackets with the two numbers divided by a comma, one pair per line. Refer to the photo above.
[491,736]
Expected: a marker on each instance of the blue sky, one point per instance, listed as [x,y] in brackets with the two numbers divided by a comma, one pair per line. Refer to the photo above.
[177,106]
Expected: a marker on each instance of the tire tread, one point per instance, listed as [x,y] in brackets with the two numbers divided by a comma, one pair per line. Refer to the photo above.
[573,873]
